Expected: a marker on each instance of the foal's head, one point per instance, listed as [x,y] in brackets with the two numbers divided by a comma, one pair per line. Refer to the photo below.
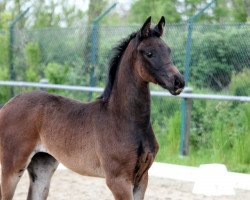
[153,62]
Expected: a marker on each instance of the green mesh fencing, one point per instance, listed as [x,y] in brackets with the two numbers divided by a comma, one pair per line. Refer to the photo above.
[218,54]
[220,64]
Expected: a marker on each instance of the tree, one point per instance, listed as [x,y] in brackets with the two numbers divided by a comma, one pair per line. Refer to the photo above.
[191,7]
[71,14]
[3,5]
[181,10]
[247,5]
[241,10]
[96,7]
[222,11]
[43,13]
[140,10]
[56,13]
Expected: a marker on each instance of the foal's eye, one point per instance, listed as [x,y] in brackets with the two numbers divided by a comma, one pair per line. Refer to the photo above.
[149,54]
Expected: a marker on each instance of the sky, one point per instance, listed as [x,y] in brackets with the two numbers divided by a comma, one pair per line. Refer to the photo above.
[122,4]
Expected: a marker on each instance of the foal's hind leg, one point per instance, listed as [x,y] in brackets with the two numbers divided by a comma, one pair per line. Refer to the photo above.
[41,169]
[12,167]
[9,182]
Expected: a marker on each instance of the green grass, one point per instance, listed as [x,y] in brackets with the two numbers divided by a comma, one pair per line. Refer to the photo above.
[203,156]
[228,141]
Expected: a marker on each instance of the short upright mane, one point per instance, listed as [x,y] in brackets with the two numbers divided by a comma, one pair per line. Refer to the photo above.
[114,65]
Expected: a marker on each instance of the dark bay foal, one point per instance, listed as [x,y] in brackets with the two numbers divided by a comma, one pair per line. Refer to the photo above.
[111,137]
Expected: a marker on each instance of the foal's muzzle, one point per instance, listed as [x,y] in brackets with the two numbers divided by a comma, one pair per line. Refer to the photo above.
[178,84]
[174,84]
[172,80]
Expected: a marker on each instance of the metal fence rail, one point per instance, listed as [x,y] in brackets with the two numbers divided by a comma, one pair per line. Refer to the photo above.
[99,90]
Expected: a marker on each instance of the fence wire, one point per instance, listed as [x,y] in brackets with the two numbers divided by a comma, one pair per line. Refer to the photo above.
[218,53]
[220,64]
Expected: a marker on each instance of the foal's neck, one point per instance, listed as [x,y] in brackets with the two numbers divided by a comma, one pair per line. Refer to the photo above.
[130,95]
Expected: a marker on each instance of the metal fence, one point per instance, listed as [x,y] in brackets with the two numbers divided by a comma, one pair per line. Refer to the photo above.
[220,65]
[217,53]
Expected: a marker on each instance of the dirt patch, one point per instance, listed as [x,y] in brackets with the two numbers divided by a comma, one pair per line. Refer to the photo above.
[67,185]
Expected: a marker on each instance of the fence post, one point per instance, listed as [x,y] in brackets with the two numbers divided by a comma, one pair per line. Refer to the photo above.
[12,75]
[185,104]
[189,39]
[188,51]
[43,81]
[95,27]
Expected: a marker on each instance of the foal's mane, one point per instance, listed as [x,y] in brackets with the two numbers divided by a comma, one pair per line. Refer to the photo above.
[114,63]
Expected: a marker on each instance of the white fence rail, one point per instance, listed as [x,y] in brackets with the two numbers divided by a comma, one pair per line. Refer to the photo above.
[98,89]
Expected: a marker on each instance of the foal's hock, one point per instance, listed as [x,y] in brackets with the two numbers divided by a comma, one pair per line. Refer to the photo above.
[111,137]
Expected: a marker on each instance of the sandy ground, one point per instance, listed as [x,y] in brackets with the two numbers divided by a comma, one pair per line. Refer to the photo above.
[67,185]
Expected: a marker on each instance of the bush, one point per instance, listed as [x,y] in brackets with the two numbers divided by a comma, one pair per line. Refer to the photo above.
[240,84]
[210,67]
[210,73]
[4,91]
[33,59]
[216,54]
[238,43]
[4,64]
[56,73]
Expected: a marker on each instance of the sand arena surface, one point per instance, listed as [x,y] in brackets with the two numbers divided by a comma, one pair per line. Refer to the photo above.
[67,185]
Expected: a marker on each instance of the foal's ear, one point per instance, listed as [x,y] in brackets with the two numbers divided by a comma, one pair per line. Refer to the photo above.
[160,26]
[145,30]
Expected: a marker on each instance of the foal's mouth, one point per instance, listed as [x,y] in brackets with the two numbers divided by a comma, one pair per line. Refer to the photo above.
[172,91]
[176,92]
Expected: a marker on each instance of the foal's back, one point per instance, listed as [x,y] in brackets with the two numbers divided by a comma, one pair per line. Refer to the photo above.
[43,122]
[41,109]
[38,107]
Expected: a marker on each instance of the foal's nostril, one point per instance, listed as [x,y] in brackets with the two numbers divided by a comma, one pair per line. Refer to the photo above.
[177,83]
